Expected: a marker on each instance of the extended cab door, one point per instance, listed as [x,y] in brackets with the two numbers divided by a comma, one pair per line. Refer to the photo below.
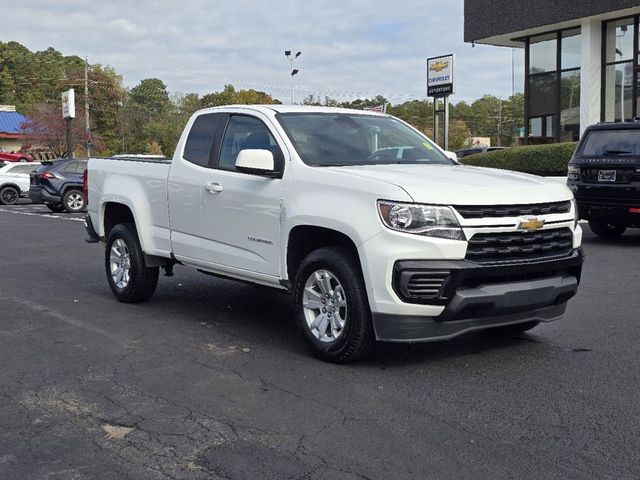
[222,219]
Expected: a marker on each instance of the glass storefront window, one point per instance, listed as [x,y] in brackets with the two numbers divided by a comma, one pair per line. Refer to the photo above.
[571,49]
[619,92]
[542,53]
[619,44]
[542,94]
[570,106]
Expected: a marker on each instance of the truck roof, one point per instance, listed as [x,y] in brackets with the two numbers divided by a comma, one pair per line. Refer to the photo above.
[295,109]
[615,126]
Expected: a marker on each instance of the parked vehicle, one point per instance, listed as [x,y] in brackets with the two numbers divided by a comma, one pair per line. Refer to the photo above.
[7,156]
[604,175]
[14,181]
[465,152]
[58,184]
[376,231]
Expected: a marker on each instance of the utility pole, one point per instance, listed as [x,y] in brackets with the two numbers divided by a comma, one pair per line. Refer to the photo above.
[86,106]
[499,122]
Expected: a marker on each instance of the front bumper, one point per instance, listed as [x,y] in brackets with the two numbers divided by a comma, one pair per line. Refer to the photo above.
[474,296]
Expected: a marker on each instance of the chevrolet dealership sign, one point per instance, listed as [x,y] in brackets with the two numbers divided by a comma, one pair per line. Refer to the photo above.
[440,76]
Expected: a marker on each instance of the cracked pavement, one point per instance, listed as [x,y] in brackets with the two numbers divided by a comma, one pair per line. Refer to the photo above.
[210,380]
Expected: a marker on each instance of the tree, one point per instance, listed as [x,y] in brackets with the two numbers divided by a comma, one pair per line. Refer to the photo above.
[45,127]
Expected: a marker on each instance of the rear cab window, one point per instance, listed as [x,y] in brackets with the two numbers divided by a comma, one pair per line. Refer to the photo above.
[204,139]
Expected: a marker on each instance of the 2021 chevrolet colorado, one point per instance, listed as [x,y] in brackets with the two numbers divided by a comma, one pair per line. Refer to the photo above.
[376,231]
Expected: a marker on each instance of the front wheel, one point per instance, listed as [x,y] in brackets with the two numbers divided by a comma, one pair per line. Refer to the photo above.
[9,195]
[73,201]
[331,305]
[606,230]
[131,281]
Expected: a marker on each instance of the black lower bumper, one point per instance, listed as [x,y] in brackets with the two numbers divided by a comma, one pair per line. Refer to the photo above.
[627,215]
[478,296]
[40,195]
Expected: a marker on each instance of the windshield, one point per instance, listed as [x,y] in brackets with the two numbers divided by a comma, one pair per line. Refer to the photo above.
[343,139]
[612,143]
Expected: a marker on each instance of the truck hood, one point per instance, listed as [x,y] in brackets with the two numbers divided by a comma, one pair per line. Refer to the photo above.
[464,185]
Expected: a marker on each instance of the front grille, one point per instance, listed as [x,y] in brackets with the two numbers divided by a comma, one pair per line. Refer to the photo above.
[515,246]
[498,211]
[419,285]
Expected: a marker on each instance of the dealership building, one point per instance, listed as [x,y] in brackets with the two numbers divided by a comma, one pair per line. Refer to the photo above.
[581,59]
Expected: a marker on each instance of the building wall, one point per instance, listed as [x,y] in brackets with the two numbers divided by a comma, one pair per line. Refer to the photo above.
[488,18]
[10,144]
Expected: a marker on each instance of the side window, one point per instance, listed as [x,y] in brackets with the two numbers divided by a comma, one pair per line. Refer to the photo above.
[24,169]
[204,139]
[243,133]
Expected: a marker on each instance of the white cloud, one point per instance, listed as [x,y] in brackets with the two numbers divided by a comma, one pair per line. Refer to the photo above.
[354,48]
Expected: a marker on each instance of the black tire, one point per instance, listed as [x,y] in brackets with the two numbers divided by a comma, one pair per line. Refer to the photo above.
[73,201]
[9,195]
[606,230]
[143,280]
[23,160]
[55,207]
[510,330]
[357,337]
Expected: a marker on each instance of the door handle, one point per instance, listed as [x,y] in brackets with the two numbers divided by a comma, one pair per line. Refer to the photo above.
[213,187]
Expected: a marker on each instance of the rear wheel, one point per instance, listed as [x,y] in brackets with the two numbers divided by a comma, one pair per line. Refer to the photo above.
[606,230]
[331,305]
[9,195]
[73,201]
[55,207]
[130,280]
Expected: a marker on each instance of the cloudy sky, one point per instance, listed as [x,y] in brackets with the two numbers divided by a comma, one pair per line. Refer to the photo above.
[351,48]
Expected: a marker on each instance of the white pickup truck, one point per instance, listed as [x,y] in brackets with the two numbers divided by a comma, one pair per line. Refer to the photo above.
[377,232]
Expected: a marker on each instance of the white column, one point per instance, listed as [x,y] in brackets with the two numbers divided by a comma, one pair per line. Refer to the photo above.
[590,73]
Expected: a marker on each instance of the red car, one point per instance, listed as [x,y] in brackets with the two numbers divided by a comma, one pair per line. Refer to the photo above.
[6,156]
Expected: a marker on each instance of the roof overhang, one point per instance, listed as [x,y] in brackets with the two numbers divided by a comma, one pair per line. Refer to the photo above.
[515,38]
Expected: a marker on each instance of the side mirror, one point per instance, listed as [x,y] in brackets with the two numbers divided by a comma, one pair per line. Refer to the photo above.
[256,162]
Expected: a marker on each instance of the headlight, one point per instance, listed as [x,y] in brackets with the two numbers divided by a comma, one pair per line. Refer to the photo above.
[426,220]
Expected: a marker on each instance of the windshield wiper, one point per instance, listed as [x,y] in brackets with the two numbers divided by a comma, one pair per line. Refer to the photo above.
[616,152]
[331,165]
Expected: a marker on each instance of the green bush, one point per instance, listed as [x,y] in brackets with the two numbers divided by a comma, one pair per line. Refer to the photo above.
[545,160]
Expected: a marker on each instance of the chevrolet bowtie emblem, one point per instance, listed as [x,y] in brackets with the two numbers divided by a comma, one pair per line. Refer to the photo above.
[531,225]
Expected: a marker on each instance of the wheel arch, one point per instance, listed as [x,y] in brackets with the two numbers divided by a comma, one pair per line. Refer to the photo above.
[304,239]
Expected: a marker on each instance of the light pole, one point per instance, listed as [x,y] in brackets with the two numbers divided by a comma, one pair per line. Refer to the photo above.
[293,71]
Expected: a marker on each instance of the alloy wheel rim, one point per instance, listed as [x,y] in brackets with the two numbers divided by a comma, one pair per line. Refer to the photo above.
[120,264]
[324,304]
[9,196]
[75,201]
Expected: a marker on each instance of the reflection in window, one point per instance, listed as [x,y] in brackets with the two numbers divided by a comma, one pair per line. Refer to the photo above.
[570,106]
[542,94]
[571,49]
[620,40]
[542,53]
[619,92]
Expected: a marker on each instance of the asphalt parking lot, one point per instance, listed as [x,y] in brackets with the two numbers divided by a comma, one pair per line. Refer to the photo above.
[209,380]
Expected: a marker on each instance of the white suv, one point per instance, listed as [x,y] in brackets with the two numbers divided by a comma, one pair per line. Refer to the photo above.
[14,181]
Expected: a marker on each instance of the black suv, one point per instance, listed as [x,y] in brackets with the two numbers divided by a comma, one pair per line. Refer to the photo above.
[58,184]
[604,175]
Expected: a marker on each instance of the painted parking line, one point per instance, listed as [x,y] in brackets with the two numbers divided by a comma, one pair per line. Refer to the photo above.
[34,212]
